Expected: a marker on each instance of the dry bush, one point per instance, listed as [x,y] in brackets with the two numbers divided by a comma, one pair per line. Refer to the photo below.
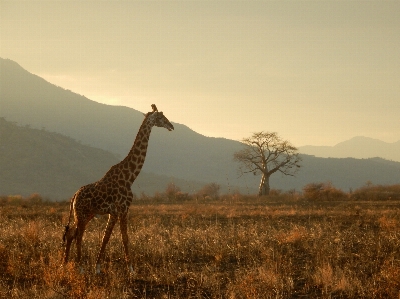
[377,192]
[210,191]
[322,191]
[171,190]
[172,193]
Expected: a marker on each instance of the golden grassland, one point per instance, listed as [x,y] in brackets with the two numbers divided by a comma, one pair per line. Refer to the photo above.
[234,247]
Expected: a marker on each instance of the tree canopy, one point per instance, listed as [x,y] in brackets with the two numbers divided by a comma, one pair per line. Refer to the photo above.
[266,153]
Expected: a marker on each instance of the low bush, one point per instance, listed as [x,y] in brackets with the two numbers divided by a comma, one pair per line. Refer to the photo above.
[377,192]
[323,191]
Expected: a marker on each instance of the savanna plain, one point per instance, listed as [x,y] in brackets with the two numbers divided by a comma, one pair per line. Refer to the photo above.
[286,245]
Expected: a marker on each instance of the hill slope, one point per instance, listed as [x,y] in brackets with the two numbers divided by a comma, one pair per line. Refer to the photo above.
[55,166]
[357,147]
[344,173]
[51,164]
[183,153]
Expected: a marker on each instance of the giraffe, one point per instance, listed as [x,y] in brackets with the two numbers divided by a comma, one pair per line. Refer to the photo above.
[112,194]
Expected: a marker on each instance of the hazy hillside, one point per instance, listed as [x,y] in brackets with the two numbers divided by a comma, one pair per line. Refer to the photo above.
[344,173]
[55,166]
[357,147]
[183,153]
[51,164]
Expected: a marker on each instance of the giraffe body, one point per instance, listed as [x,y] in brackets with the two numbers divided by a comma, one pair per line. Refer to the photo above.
[112,194]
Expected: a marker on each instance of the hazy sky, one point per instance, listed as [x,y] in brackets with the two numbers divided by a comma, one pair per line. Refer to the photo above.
[316,72]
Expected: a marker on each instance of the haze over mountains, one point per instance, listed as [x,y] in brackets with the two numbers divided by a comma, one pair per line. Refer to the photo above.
[182,156]
[55,166]
[29,100]
[357,147]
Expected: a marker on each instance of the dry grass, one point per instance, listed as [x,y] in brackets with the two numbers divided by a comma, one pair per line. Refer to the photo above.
[237,248]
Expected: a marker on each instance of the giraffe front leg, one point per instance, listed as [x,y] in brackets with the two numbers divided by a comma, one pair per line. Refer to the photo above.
[123,222]
[107,233]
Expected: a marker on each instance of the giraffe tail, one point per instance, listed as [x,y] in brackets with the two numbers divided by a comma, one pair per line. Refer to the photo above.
[69,218]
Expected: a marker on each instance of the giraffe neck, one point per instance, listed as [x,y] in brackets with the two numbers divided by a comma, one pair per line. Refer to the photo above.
[135,159]
[129,168]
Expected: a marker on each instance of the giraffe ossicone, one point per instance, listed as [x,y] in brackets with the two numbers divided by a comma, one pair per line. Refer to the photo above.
[111,194]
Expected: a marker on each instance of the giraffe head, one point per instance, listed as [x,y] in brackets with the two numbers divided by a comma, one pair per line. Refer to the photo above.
[159,119]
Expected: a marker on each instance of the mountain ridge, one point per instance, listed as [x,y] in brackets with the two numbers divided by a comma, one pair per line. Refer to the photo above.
[182,154]
[360,147]
[55,165]
[113,128]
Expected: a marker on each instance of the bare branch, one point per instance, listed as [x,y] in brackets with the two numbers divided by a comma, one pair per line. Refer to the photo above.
[267,153]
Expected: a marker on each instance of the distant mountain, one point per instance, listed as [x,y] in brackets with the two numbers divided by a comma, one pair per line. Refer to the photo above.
[184,156]
[55,166]
[357,147]
[51,164]
[28,99]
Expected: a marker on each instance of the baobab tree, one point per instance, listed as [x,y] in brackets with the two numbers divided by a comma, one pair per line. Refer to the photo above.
[266,153]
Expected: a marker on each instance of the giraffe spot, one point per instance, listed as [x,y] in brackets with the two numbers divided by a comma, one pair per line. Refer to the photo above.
[136,152]
[104,206]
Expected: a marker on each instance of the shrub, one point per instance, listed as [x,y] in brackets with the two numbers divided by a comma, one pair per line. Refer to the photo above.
[173,192]
[35,198]
[377,192]
[210,190]
[322,191]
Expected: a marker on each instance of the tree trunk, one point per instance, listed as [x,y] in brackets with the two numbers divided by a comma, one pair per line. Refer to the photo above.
[264,185]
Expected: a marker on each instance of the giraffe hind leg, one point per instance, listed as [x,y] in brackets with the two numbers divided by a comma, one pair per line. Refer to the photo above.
[69,236]
[112,219]
[80,229]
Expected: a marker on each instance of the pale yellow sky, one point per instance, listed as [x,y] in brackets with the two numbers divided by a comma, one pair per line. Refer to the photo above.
[317,72]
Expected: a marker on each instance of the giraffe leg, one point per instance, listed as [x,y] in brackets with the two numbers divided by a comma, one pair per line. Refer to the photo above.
[70,235]
[107,233]
[80,229]
[79,235]
[123,222]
